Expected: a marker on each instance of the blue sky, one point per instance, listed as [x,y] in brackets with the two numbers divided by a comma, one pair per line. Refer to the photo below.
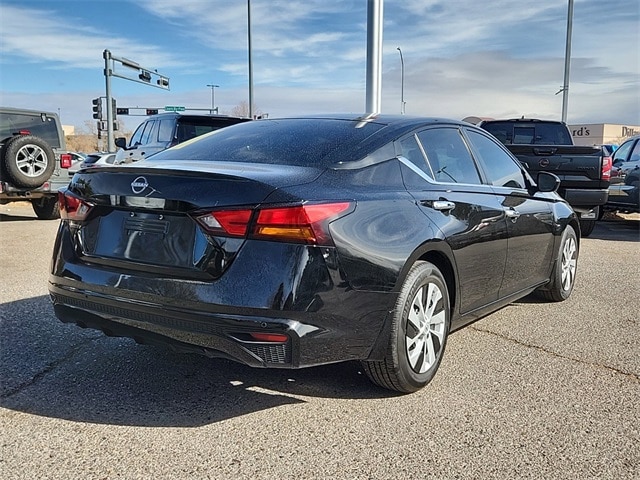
[500,58]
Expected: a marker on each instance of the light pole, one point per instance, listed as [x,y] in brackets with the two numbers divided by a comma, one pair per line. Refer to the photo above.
[402,102]
[250,60]
[567,63]
[213,103]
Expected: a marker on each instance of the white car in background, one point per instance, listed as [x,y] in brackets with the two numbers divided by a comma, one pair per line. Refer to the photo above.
[97,159]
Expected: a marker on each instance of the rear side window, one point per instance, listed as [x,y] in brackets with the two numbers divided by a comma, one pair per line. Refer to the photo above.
[42,126]
[147,135]
[411,150]
[165,133]
[448,156]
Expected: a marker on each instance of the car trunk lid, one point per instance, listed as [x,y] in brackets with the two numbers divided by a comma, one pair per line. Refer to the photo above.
[145,218]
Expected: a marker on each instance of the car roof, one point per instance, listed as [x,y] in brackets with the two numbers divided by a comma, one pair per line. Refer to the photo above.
[26,111]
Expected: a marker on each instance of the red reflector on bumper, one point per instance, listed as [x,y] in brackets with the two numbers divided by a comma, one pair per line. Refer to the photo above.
[270,337]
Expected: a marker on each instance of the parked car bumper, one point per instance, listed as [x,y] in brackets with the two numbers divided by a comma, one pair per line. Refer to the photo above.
[624,197]
[324,321]
[583,200]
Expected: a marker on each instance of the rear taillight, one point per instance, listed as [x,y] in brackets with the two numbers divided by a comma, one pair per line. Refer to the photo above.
[66,160]
[306,223]
[607,163]
[299,224]
[232,223]
[73,207]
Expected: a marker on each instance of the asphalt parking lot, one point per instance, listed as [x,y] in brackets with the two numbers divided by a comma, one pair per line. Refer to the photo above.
[535,390]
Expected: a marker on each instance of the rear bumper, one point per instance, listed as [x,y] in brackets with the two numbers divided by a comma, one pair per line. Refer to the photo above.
[10,193]
[315,340]
[584,199]
[302,296]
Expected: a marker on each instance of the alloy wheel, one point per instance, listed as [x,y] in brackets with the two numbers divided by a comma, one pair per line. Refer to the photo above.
[425,330]
[569,262]
[31,160]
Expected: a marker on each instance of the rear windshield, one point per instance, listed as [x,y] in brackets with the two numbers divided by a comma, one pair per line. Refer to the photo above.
[42,126]
[190,127]
[301,142]
[529,133]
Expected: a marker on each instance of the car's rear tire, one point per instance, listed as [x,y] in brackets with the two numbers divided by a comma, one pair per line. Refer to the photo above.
[564,271]
[46,208]
[28,161]
[419,330]
[586,227]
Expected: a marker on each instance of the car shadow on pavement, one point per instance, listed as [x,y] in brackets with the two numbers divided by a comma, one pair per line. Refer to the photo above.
[618,229]
[15,218]
[56,370]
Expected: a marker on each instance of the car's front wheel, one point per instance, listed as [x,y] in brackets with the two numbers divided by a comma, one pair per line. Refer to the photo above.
[419,331]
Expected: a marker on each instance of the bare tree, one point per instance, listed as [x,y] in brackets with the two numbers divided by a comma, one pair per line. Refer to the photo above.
[86,139]
[242,110]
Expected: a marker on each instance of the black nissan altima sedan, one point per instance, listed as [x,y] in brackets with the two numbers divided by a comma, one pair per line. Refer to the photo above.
[297,242]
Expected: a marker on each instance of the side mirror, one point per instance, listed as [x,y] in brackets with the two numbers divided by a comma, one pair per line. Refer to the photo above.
[548,182]
[121,142]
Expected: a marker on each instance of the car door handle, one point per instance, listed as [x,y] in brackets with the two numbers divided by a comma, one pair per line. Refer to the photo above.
[512,213]
[443,205]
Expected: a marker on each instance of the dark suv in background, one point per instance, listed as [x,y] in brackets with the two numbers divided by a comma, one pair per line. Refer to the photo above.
[33,159]
[624,191]
[165,130]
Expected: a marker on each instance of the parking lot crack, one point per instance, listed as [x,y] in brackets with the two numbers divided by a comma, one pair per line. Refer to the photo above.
[48,369]
[632,375]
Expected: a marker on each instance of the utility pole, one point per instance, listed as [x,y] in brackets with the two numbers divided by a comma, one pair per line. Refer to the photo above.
[250,62]
[374,56]
[145,75]
[108,72]
[567,63]
[213,103]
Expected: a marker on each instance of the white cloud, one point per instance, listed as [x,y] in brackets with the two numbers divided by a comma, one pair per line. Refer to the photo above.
[462,57]
[61,41]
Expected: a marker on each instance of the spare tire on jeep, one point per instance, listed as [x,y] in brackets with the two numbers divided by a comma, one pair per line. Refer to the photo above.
[27,160]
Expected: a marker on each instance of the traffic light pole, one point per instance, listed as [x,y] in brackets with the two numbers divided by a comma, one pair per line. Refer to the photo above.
[111,145]
[145,76]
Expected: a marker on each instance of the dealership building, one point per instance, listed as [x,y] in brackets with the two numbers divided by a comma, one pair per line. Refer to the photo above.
[602,133]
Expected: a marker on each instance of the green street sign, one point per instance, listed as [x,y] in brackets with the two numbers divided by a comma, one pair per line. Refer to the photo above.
[173,108]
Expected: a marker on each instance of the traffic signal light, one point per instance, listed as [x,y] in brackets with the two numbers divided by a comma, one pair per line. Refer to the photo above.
[97,108]
[114,110]
[145,76]
[122,111]
[163,82]
[152,111]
